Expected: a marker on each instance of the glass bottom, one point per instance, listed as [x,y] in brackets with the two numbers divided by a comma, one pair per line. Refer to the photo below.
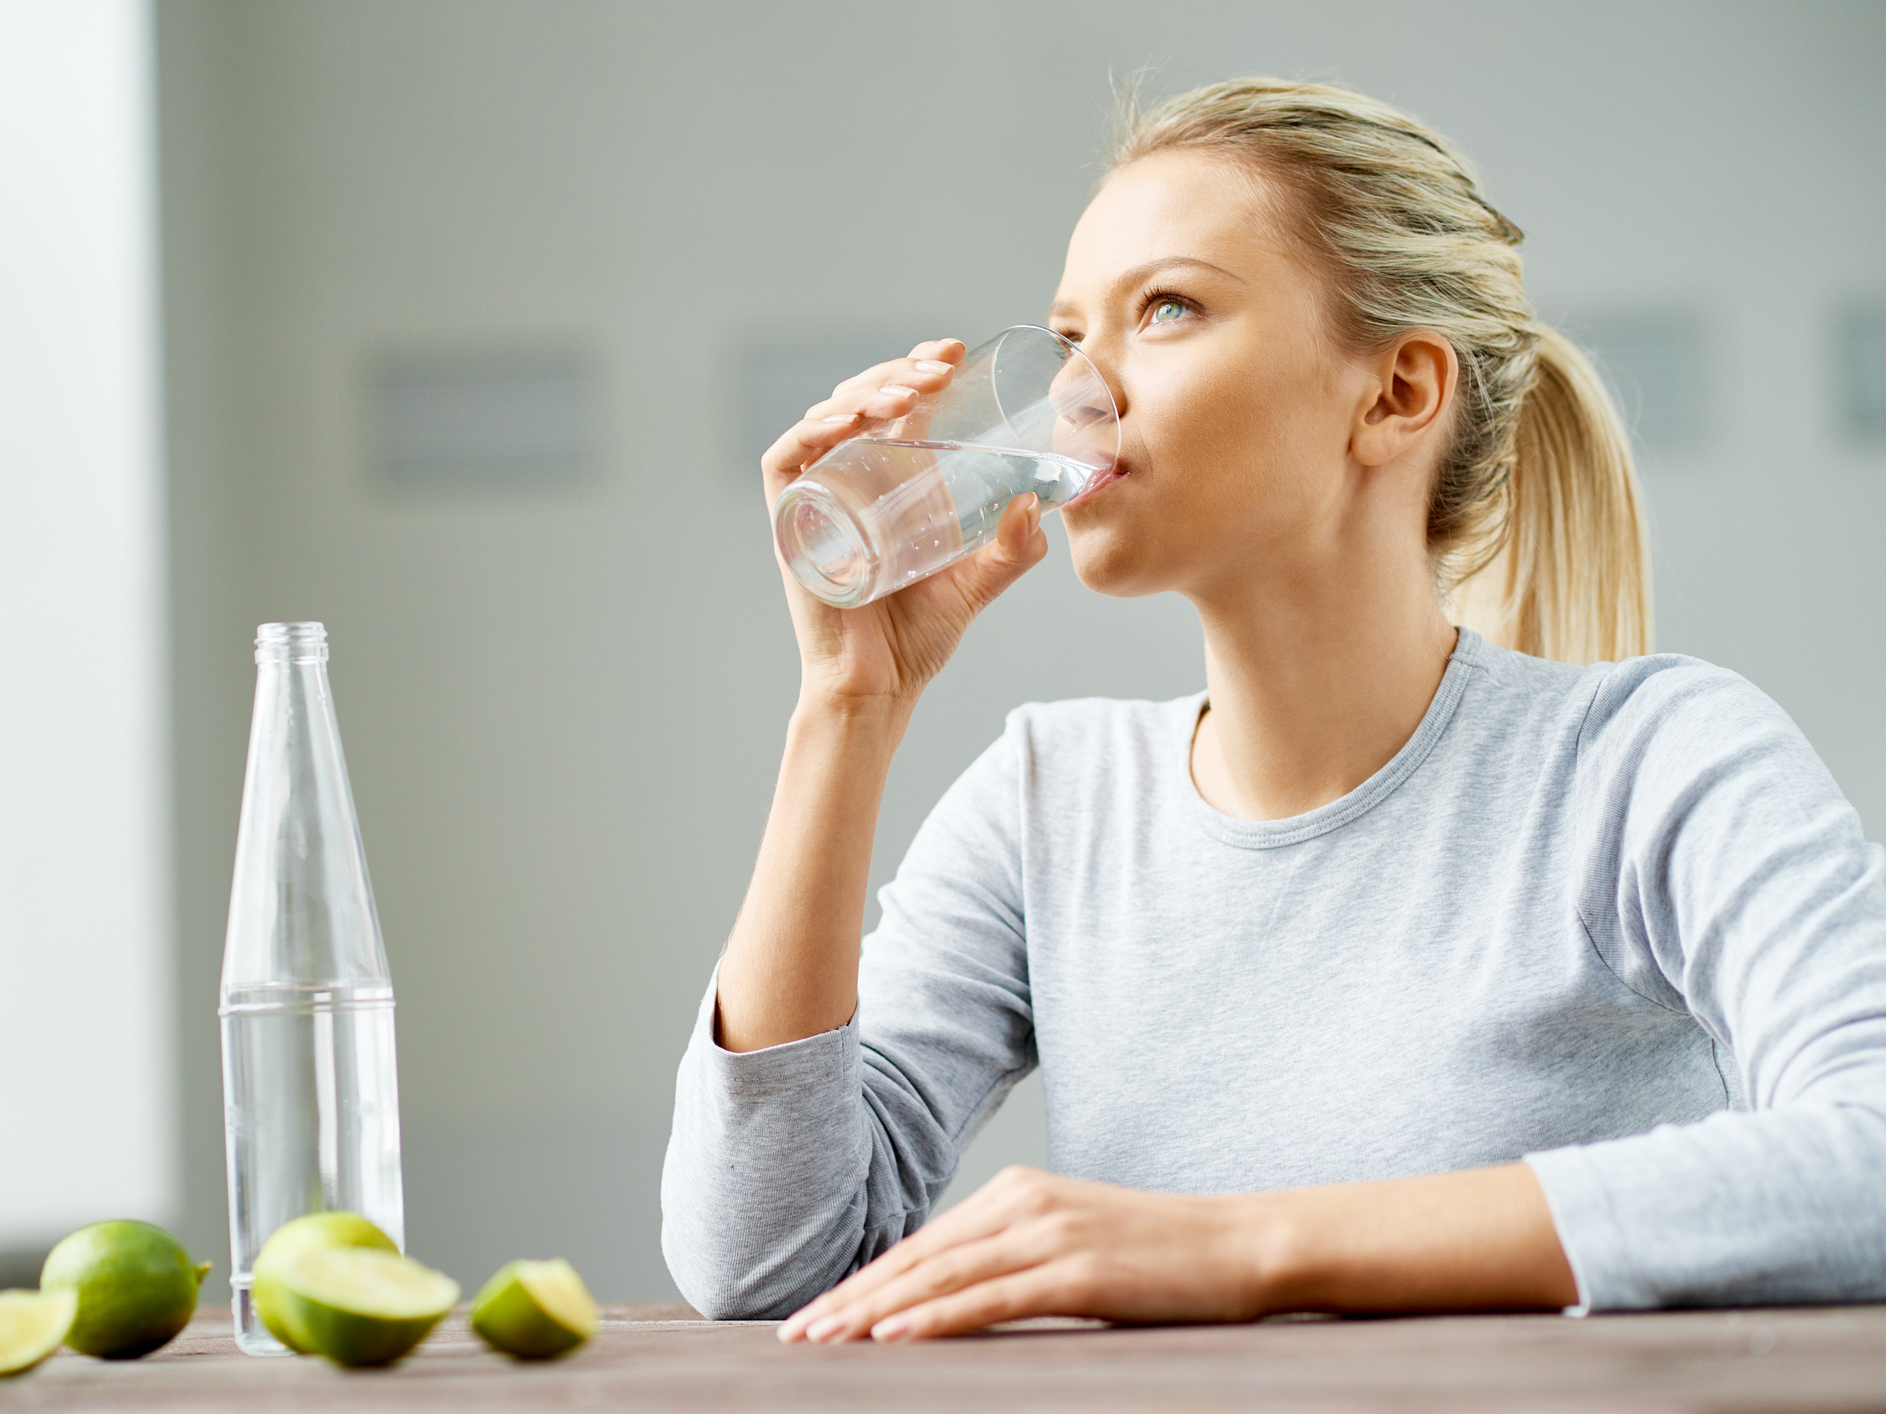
[823,545]
[252,1337]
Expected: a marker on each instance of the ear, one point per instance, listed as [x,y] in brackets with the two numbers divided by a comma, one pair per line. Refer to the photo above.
[1413,385]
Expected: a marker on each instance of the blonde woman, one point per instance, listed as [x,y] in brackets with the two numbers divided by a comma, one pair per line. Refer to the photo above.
[1407,967]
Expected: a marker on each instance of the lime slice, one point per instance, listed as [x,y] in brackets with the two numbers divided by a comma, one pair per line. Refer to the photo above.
[135,1284]
[534,1310]
[32,1326]
[359,1305]
[305,1234]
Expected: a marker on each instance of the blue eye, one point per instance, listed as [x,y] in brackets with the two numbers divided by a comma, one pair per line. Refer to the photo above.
[1167,310]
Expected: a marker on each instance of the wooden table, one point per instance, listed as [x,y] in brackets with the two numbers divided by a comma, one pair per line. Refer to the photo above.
[1829,1360]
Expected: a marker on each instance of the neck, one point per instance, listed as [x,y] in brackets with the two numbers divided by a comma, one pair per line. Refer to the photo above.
[1315,683]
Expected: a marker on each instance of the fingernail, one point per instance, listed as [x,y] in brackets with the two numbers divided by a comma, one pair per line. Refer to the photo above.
[891,1328]
[848,417]
[898,390]
[825,1326]
[930,365]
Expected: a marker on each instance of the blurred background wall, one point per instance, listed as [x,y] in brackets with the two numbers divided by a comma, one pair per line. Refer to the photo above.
[629,237]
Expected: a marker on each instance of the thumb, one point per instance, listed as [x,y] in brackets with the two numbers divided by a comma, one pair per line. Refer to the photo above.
[1019,547]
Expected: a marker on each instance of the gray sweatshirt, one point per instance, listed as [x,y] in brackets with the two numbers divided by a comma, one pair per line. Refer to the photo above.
[1618,921]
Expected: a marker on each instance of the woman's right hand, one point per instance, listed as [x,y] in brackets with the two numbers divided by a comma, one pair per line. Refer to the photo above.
[882,654]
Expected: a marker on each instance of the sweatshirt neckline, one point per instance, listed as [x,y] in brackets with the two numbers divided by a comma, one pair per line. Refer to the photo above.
[1469,653]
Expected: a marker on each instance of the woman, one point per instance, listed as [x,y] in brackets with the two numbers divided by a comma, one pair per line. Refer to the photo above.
[1405,968]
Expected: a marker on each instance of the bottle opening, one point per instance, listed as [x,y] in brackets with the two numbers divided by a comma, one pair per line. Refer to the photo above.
[291,643]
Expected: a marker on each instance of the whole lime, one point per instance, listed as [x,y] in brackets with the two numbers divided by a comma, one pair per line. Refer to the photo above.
[135,1284]
[305,1234]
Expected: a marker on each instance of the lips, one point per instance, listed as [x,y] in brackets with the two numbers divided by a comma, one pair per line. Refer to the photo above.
[1102,479]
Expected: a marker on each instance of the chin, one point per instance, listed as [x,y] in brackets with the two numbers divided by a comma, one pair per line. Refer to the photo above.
[1110,559]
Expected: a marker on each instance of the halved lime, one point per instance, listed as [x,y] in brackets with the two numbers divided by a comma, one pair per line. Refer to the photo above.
[534,1310]
[359,1305]
[305,1234]
[32,1325]
[135,1284]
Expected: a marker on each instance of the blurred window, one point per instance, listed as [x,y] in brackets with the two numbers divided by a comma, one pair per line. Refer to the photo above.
[85,949]
[1862,353]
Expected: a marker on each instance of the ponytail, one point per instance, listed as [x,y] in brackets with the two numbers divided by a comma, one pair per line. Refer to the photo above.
[1567,575]
[1534,523]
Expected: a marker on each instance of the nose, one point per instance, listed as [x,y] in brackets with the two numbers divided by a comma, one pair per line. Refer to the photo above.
[1082,393]
[1088,424]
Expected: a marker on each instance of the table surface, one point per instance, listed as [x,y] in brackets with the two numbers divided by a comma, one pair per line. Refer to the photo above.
[664,1358]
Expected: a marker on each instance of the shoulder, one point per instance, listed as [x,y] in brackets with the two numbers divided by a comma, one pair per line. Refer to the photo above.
[1662,700]
[1065,762]
[1667,711]
[1058,751]
[1084,758]
[1087,735]
[1660,745]
[1519,684]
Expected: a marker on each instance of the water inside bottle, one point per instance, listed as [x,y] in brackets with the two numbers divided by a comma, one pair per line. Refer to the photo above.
[907,508]
[312,1121]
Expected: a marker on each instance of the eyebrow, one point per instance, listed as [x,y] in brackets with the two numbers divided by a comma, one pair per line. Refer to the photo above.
[1128,278]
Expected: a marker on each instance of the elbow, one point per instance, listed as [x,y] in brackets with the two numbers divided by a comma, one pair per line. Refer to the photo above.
[731,1269]
[721,1286]
[720,1268]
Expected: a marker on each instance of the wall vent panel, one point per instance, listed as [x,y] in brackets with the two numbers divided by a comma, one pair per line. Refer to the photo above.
[501,420]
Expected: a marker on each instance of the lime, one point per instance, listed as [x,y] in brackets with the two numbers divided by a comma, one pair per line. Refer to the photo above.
[534,1310]
[305,1234]
[135,1285]
[360,1305]
[32,1324]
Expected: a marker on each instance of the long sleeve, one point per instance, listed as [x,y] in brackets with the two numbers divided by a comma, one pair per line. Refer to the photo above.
[790,1167]
[1724,875]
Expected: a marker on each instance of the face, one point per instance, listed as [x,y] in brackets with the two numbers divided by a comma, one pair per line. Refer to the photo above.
[1236,406]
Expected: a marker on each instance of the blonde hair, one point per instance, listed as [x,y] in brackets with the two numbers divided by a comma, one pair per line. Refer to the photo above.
[1535,523]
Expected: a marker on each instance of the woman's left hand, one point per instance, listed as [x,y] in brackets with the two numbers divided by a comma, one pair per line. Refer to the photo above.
[1029,1243]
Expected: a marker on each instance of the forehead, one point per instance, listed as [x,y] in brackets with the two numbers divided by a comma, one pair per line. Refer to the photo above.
[1175,204]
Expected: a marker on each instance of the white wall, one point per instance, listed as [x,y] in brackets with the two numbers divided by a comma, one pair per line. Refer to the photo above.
[563,711]
[86,965]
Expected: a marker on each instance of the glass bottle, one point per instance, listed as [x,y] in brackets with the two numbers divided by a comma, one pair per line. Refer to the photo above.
[310,1089]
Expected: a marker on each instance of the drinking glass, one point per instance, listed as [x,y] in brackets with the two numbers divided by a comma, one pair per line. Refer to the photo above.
[1026,411]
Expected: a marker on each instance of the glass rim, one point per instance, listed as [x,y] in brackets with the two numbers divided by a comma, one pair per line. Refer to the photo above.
[1074,349]
[1113,405]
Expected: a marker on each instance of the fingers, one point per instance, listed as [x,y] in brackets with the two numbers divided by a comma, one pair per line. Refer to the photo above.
[934,1277]
[966,1244]
[804,443]
[1019,546]
[889,389]
[1038,1291]
[879,394]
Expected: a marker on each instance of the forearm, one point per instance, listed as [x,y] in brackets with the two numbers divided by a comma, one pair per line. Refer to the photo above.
[791,965]
[1479,1240]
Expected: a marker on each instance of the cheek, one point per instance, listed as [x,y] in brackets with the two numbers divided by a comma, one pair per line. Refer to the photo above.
[1228,454]
[1206,435]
